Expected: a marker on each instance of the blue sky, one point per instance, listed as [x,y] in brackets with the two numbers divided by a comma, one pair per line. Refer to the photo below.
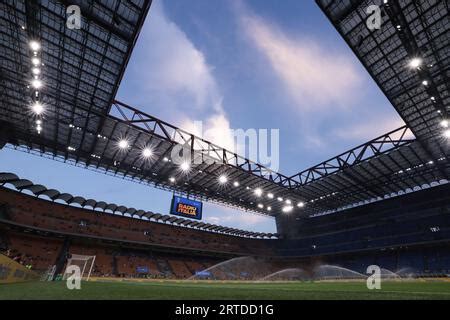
[236,64]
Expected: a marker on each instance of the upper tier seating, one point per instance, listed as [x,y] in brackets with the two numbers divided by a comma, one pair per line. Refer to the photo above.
[39,213]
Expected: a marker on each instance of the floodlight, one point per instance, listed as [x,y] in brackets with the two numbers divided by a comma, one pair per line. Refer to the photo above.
[258,192]
[300,204]
[185,166]
[288,201]
[35,46]
[36,71]
[172,179]
[123,144]
[37,108]
[260,206]
[287,209]
[223,179]
[35,61]
[236,184]
[270,195]
[444,123]
[447,133]
[425,82]
[280,199]
[415,62]
[36,83]
[269,208]
[147,153]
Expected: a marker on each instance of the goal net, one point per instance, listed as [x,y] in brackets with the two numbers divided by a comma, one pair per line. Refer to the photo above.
[84,263]
[49,274]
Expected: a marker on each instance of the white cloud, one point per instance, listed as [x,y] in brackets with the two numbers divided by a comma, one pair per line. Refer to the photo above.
[313,77]
[170,78]
[370,129]
[174,66]
[216,129]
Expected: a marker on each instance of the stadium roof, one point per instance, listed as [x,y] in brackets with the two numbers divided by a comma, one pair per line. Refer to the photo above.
[54,195]
[408,57]
[80,122]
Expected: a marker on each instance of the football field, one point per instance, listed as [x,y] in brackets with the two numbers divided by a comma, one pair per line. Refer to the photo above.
[184,290]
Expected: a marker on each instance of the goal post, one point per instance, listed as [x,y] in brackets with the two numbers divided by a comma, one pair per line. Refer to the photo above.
[85,263]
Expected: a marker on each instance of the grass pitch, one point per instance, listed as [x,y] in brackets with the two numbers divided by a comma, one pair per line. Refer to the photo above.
[175,290]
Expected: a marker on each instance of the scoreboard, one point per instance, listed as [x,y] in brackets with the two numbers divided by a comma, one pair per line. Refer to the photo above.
[186,208]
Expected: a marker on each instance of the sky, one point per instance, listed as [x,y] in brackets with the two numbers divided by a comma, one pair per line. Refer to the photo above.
[236,64]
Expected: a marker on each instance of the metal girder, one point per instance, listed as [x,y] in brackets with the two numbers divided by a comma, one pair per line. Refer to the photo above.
[376,147]
[202,149]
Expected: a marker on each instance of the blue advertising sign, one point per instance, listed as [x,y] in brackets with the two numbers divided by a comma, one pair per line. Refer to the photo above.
[186,208]
[203,274]
[142,269]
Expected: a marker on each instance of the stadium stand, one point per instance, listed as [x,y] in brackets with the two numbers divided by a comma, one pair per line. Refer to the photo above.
[59,222]
[392,234]
[39,213]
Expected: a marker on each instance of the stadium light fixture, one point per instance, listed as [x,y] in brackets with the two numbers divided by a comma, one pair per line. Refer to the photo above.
[35,61]
[172,179]
[300,204]
[425,82]
[123,144]
[260,205]
[288,201]
[269,208]
[270,195]
[447,133]
[35,71]
[444,123]
[37,108]
[414,63]
[258,192]
[147,153]
[280,199]
[223,179]
[36,83]
[35,46]
[287,209]
[236,184]
[185,166]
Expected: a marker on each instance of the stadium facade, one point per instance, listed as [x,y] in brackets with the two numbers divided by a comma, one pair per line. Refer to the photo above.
[385,202]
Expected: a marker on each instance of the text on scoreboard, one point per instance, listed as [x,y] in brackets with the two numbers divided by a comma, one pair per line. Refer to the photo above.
[186,208]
